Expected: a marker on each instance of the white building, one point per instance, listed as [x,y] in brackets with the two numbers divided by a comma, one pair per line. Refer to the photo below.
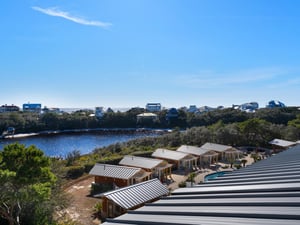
[153,107]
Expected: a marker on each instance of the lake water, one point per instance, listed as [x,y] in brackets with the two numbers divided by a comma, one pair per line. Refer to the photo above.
[60,145]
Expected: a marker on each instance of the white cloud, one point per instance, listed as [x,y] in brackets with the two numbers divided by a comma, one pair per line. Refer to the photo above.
[67,16]
[209,79]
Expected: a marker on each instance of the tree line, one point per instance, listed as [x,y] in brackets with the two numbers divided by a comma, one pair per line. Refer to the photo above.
[83,119]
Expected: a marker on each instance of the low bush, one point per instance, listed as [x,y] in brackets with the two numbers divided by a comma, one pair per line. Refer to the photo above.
[88,167]
[182,184]
[74,172]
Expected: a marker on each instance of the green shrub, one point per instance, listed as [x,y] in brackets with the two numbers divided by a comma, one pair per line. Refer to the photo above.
[88,167]
[100,188]
[182,184]
[238,166]
[74,172]
[97,209]
[114,160]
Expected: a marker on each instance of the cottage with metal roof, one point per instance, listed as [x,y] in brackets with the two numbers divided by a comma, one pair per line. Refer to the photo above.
[114,176]
[226,152]
[264,193]
[159,168]
[205,156]
[117,202]
[279,144]
[180,160]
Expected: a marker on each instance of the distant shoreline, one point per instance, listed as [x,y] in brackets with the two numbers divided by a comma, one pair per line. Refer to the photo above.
[79,131]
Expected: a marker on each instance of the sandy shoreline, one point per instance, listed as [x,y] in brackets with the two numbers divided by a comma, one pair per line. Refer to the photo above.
[20,135]
[70,131]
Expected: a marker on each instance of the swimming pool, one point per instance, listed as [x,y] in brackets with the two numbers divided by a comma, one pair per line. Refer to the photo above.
[213,176]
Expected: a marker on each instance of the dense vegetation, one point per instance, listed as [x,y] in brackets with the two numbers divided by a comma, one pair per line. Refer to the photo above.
[31,122]
[31,183]
[252,132]
[30,190]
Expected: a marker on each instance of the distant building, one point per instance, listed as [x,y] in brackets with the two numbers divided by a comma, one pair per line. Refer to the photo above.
[99,112]
[275,104]
[193,109]
[32,107]
[9,108]
[146,117]
[172,114]
[8,131]
[153,107]
[51,110]
[249,107]
[109,110]
[206,109]
[136,110]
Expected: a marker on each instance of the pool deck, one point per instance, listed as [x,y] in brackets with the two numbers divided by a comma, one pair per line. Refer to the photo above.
[200,174]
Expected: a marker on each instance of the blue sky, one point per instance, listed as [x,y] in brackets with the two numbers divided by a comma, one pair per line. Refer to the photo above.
[126,53]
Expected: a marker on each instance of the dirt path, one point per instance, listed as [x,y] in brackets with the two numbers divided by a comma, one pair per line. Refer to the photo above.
[82,205]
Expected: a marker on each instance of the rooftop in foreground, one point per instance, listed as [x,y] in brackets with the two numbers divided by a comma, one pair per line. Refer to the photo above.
[267,192]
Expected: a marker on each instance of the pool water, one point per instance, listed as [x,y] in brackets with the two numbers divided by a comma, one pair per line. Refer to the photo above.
[213,176]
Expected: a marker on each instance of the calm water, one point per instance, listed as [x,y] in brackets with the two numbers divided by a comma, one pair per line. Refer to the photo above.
[213,175]
[60,145]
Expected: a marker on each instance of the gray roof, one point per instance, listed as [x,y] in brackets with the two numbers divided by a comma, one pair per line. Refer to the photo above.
[114,171]
[134,195]
[141,162]
[282,143]
[147,115]
[267,193]
[169,154]
[216,147]
[192,150]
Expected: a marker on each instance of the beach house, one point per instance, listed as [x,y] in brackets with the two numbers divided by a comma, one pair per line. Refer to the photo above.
[118,202]
[280,145]
[160,169]
[205,157]
[114,176]
[225,152]
[180,160]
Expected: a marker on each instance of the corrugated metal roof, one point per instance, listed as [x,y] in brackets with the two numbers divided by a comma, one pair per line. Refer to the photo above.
[216,147]
[265,193]
[114,171]
[141,162]
[169,154]
[192,150]
[282,143]
[147,219]
[137,194]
